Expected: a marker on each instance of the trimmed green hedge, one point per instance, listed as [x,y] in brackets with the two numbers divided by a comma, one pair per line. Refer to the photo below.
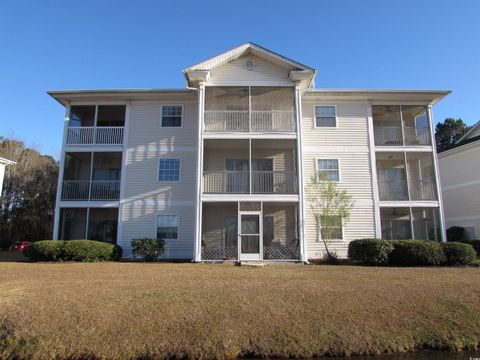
[458,253]
[370,251]
[475,244]
[416,253]
[149,249]
[72,250]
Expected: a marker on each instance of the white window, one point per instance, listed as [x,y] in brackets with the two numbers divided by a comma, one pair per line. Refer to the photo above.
[167,227]
[329,169]
[325,116]
[169,169]
[331,227]
[172,115]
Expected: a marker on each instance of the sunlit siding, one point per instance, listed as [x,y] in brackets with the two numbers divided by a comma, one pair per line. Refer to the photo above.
[145,197]
[348,143]
[236,72]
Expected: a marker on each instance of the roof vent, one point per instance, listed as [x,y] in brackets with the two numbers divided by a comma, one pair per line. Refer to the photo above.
[250,64]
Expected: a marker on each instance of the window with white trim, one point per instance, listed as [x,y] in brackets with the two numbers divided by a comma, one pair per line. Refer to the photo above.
[331,227]
[328,169]
[325,116]
[172,115]
[167,227]
[169,169]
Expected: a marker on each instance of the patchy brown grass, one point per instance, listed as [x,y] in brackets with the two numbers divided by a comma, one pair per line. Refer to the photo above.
[132,310]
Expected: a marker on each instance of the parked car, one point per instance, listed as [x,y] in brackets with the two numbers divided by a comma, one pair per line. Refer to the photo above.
[19,245]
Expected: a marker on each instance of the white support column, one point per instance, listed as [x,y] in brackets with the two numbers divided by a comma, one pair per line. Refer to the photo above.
[123,171]
[250,166]
[60,174]
[437,175]
[197,249]
[373,173]
[301,185]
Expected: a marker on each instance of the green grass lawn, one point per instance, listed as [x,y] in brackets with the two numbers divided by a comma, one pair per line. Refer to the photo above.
[131,310]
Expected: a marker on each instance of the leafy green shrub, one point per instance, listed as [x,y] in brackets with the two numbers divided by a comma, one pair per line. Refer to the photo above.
[89,250]
[148,249]
[475,244]
[458,253]
[370,251]
[416,253]
[72,250]
[455,233]
[45,250]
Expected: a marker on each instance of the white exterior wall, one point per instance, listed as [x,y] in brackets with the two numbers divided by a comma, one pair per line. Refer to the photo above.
[461,187]
[2,174]
[145,197]
[348,142]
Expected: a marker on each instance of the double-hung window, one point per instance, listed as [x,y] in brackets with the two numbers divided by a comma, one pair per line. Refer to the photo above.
[167,227]
[328,169]
[172,115]
[325,116]
[169,170]
[331,227]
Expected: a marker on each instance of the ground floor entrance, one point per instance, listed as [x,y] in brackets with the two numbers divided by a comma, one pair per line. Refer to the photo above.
[250,231]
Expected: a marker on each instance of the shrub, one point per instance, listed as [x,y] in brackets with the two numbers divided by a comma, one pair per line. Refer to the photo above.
[455,233]
[89,250]
[148,249]
[45,250]
[475,244]
[416,253]
[72,250]
[370,251]
[458,253]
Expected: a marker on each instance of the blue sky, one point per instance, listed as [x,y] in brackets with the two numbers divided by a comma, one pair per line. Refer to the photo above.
[56,45]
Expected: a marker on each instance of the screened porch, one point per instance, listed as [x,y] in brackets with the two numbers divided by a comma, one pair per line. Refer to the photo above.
[233,231]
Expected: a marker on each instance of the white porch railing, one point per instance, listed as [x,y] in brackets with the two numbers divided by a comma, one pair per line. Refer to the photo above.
[388,135]
[422,190]
[393,190]
[416,135]
[238,182]
[256,121]
[91,190]
[95,135]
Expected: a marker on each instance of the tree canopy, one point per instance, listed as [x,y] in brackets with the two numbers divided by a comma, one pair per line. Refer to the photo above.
[447,133]
[28,199]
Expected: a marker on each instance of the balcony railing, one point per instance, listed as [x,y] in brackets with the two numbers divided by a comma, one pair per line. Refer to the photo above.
[91,190]
[398,191]
[393,190]
[416,135]
[422,190]
[238,182]
[95,135]
[392,135]
[256,121]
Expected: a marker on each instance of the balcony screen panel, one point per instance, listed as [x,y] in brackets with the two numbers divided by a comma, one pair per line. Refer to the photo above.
[77,166]
[426,224]
[386,115]
[414,115]
[82,115]
[102,225]
[107,165]
[272,98]
[72,224]
[226,98]
[396,223]
[111,115]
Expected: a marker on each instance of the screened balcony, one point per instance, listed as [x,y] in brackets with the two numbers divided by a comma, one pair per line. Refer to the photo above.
[400,125]
[227,165]
[403,223]
[96,125]
[249,109]
[243,231]
[92,176]
[405,176]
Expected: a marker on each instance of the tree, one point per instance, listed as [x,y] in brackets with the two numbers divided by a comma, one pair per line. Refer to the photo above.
[28,200]
[449,132]
[330,207]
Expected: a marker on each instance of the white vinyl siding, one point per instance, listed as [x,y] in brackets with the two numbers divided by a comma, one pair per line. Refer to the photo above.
[145,197]
[349,145]
[325,116]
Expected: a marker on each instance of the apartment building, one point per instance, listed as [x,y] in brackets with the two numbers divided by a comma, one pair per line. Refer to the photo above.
[219,169]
